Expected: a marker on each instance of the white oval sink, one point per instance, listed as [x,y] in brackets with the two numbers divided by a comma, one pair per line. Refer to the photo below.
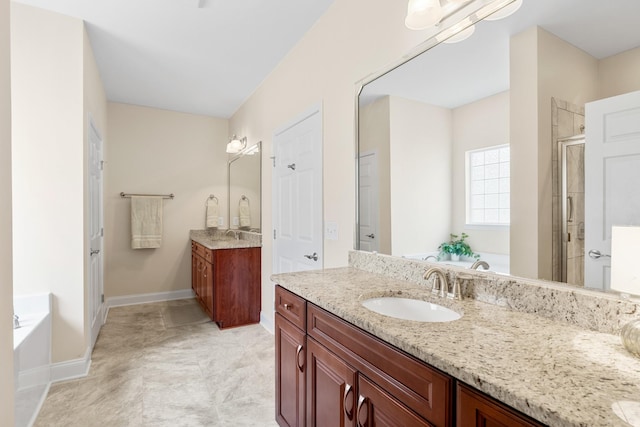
[411,309]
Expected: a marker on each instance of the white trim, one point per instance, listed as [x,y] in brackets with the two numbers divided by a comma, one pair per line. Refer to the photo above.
[147,298]
[71,369]
[267,323]
[43,397]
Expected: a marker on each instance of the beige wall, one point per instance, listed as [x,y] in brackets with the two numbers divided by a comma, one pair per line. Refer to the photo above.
[343,47]
[6,262]
[420,176]
[374,135]
[480,124]
[48,173]
[159,152]
[543,66]
[620,73]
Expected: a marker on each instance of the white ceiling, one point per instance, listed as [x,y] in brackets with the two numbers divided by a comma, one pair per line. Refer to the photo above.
[451,75]
[194,56]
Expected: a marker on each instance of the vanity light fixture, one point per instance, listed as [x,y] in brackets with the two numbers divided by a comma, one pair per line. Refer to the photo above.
[505,11]
[423,14]
[236,144]
[459,32]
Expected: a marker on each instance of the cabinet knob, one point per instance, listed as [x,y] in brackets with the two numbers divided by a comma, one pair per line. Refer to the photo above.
[348,401]
[363,412]
[287,306]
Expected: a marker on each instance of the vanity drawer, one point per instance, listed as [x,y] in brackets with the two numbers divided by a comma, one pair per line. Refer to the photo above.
[200,250]
[291,307]
[423,389]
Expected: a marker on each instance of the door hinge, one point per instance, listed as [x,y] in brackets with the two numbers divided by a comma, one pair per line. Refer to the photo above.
[102,232]
[102,298]
[101,164]
[274,234]
[274,160]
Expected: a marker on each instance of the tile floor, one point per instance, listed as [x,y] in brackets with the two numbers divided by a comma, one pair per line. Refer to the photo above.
[144,374]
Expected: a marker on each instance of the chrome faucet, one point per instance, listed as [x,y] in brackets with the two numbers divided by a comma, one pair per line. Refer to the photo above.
[440,284]
[429,257]
[234,233]
[16,321]
[478,264]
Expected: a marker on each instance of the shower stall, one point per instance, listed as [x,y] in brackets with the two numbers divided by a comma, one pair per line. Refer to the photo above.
[571,181]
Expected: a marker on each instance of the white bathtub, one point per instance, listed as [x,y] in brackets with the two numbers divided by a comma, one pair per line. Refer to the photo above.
[32,356]
[498,263]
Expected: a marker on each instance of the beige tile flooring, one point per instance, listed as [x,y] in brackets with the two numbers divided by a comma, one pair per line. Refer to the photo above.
[144,374]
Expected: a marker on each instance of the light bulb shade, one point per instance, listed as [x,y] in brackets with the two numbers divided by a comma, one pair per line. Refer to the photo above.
[423,14]
[508,10]
[236,144]
[461,35]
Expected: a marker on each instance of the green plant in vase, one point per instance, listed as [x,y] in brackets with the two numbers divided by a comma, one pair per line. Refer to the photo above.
[456,247]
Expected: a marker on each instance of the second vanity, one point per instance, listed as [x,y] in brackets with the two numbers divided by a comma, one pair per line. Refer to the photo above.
[225,275]
[495,365]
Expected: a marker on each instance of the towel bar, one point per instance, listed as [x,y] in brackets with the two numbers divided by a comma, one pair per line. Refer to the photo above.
[164,196]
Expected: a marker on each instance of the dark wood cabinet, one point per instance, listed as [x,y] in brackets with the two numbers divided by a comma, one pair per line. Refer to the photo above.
[331,388]
[202,277]
[291,367]
[353,378]
[227,284]
[378,408]
[477,409]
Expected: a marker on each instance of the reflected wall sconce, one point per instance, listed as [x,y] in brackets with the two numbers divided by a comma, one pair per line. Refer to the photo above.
[236,144]
[508,10]
[423,14]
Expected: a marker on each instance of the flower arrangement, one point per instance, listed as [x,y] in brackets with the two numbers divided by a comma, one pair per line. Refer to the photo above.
[456,247]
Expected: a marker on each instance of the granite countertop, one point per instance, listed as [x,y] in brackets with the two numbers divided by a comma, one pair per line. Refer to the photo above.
[559,374]
[217,239]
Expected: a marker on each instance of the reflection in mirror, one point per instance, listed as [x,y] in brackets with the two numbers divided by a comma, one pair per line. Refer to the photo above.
[244,180]
[430,135]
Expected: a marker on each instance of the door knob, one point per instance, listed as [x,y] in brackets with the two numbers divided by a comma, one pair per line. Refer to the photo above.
[292,166]
[313,257]
[371,236]
[94,252]
[595,254]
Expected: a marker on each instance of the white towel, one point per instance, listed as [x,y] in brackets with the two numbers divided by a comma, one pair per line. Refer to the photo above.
[245,213]
[212,213]
[146,222]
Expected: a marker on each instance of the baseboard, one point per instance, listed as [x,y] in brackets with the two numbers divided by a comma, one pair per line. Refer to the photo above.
[147,298]
[267,323]
[71,369]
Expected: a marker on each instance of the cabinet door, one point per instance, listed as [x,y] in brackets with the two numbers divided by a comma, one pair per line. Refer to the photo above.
[194,271]
[476,409]
[377,408]
[198,284]
[206,288]
[290,373]
[331,389]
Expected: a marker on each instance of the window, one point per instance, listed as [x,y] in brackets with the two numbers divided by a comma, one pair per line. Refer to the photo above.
[487,173]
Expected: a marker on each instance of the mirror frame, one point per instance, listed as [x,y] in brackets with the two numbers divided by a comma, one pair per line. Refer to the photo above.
[231,160]
[475,11]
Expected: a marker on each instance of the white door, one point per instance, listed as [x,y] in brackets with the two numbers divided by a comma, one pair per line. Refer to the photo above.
[297,195]
[368,202]
[96,306]
[612,179]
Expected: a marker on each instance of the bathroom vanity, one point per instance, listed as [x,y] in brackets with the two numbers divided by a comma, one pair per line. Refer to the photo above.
[225,276]
[338,363]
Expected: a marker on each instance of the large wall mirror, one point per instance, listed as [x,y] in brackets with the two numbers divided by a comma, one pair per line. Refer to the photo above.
[487,137]
[244,192]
